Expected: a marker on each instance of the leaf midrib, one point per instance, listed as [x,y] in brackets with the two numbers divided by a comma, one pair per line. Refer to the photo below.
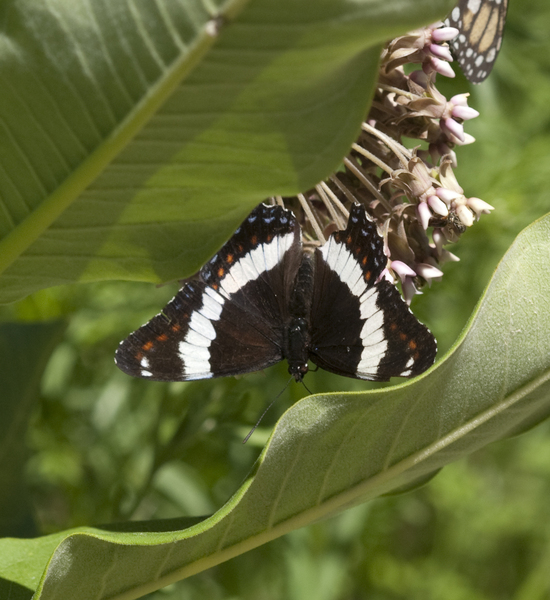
[336,502]
[52,207]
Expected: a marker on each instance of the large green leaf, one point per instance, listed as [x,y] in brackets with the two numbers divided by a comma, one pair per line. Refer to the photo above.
[24,351]
[330,452]
[134,136]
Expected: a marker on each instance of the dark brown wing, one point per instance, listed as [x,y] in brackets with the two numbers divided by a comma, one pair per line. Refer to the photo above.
[360,326]
[232,320]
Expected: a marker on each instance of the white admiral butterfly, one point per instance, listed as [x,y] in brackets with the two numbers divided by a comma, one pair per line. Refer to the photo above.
[262,299]
[480,24]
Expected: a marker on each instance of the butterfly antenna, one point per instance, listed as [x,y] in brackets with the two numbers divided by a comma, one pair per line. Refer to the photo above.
[265,411]
[308,390]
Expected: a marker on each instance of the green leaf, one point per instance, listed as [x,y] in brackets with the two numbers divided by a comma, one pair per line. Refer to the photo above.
[331,452]
[24,351]
[135,137]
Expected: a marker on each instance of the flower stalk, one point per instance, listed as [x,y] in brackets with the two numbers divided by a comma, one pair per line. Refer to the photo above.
[411,193]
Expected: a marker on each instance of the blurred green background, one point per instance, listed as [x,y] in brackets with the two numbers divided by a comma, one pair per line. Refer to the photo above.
[104,447]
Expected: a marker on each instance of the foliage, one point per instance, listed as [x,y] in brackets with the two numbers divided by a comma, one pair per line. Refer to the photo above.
[108,449]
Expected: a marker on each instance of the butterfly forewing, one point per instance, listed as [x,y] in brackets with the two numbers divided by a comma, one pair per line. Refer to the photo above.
[480,24]
[360,326]
[232,319]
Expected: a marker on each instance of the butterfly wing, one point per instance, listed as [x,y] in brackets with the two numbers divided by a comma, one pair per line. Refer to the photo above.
[361,327]
[232,319]
[481,25]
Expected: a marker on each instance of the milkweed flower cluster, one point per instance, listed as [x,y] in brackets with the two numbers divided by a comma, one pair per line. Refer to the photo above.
[411,193]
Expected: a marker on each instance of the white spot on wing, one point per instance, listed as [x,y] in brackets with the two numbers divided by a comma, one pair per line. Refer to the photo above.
[212,307]
[202,325]
[371,357]
[368,303]
[196,339]
[341,260]
[271,253]
[408,367]
[474,5]
[372,325]
[352,272]
[144,362]
[196,359]
[331,251]
[257,257]
[263,258]
[239,274]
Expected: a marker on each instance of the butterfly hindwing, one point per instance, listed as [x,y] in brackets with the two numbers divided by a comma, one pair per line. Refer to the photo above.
[232,319]
[360,326]
[480,24]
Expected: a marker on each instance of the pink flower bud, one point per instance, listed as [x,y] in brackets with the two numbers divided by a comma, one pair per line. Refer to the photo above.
[444,34]
[438,206]
[468,139]
[465,215]
[419,77]
[442,67]
[460,99]
[447,195]
[464,112]
[479,206]
[439,239]
[424,214]
[428,271]
[402,270]
[409,290]
[441,52]
[454,128]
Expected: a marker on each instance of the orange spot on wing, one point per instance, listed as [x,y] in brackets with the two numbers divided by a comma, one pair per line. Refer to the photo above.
[348,240]
[403,336]
[240,248]
[162,337]
[229,258]
[221,272]
[412,345]
[368,275]
[148,345]
[393,326]
[139,356]
[175,327]
[254,240]
[364,261]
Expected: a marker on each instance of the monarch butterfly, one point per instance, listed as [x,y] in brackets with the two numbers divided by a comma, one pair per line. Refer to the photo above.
[481,24]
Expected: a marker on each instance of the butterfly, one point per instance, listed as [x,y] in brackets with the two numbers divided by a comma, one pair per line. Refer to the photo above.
[480,24]
[262,299]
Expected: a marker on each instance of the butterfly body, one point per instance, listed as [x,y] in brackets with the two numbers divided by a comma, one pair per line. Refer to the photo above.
[263,299]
